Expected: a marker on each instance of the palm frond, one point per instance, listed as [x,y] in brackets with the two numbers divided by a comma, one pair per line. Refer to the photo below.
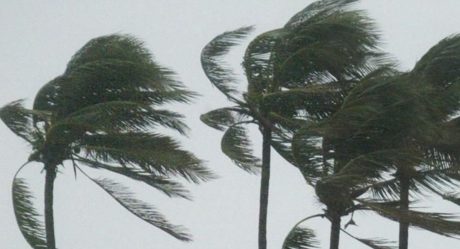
[301,238]
[440,223]
[223,118]
[236,145]
[115,46]
[455,198]
[220,75]
[317,8]
[140,209]
[122,116]
[438,180]
[281,142]
[331,44]
[27,216]
[309,153]
[20,120]
[163,184]
[375,243]
[157,154]
[258,61]
[387,189]
[318,101]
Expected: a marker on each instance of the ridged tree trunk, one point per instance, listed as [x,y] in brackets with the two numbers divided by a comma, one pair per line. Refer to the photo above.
[404,208]
[335,230]
[264,187]
[49,216]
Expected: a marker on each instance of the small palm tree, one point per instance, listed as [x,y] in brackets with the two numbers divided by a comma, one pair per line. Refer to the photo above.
[99,114]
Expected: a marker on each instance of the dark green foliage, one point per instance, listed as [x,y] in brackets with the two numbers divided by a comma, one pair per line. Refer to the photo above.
[141,209]
[100,112]
[27,216]
[300,238]
[236,145]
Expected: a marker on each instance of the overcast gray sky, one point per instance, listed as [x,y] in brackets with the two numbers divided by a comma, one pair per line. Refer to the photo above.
[39,37]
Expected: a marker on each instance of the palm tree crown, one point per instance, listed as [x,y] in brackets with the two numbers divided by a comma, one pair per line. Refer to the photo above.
[99,114]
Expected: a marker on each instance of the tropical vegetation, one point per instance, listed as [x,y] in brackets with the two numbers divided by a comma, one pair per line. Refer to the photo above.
[99,114]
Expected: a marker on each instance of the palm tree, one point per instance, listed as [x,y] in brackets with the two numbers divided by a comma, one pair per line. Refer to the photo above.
[392,134]
[99,114]
[436,76]
[323,43]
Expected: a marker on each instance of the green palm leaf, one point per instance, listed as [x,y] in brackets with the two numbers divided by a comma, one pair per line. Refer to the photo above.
[258,61]
[440,223]
[163,184]
[223,118]
[154,153]
[123,116]
[374,243]
[27,216]
[300,238]
[316,8]
[140,209]
[211,60]
[20,120]
[236,145]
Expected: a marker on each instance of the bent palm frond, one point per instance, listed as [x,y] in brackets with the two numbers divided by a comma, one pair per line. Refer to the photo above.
[236,145]
[440,223]
[139,208]
[27,216]
[157,154]
[163,184]
[301,238]
[374,243]
[211,60]
[20,120]
[223,118]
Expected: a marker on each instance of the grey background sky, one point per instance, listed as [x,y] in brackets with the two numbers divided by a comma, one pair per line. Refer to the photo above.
[39,37]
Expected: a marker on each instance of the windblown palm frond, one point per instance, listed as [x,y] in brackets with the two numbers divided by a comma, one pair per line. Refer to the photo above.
[440,223]
[317,8]
[161,183]
[122,116]
[20,121]
[258,61]
[211,60]
[223,118]
[300,238]
[27,216]
[159,155]
[374,243]
[236,145]
[140,209]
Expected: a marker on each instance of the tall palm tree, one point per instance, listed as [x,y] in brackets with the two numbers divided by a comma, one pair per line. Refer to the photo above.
[323,43]
[99,114]
[437,77]
[392,134]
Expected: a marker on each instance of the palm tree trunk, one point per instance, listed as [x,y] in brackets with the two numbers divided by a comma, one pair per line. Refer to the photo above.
[49,217]
[264,187]
[404,208]
[335,230]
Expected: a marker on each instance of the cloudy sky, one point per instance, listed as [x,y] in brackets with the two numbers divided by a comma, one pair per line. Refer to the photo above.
[39,37]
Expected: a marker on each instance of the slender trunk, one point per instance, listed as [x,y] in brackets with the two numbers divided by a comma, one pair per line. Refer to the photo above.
[264,187]
[404,208]
[49,217]
[335,231]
